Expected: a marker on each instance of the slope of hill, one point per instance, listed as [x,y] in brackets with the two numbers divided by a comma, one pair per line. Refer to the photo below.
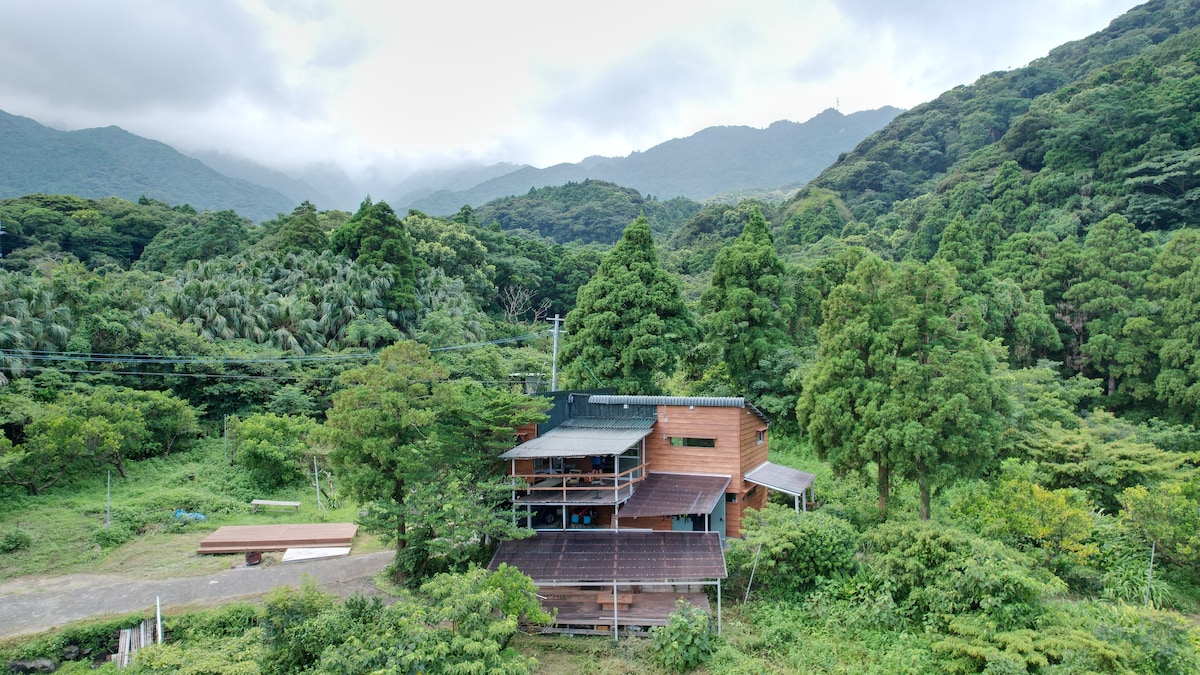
[110,161]
[713,161]
[1101,119]
[591,211]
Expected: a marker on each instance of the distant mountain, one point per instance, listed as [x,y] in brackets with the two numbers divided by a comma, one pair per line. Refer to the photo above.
[295,189]
[714,161]
[425,183]
[110,161]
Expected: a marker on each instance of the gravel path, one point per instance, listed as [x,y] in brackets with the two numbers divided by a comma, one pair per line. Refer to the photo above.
[36,605]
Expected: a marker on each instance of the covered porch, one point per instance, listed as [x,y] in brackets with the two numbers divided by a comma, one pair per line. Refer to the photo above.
[582,462]
[798,484]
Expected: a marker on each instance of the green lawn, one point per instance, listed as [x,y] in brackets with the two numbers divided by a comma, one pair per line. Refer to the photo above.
[66,525]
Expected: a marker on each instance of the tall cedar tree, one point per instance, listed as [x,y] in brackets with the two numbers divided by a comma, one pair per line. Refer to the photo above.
[743,307]
[629,327]
[375,236]
[901,382]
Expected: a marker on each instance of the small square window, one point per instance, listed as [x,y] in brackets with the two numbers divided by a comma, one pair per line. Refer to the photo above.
[762,436]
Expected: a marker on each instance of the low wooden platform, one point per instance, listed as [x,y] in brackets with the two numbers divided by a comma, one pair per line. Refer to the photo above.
[577,608]
[247,538]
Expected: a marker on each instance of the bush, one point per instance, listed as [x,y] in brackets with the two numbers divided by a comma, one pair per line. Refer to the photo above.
[686,641]
[797,550]
[15,540]
[936,572]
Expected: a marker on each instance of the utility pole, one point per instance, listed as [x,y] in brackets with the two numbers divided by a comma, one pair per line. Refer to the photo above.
[554,366]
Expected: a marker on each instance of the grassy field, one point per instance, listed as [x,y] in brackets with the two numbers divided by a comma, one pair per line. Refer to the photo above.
[67,532]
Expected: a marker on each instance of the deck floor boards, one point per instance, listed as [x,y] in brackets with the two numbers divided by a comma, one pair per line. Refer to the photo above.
[246,538]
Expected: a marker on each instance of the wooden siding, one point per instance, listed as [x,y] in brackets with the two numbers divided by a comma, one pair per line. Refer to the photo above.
[721,424]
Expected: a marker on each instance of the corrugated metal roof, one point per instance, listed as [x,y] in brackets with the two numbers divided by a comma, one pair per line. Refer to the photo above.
[702,401]
[675,494]
[780,478]
[607,556]
[567,441]
[609,423]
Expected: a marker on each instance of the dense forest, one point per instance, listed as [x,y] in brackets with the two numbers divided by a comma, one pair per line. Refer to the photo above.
[978,328]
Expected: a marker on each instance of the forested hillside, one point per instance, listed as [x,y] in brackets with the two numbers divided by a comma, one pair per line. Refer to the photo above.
[108,162]
[978,329]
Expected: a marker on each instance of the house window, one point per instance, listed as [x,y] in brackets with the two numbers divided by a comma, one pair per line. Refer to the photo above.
[762,436]
[680,441]
[730,498]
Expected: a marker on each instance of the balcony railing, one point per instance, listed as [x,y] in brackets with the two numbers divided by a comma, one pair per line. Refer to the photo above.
[577,488]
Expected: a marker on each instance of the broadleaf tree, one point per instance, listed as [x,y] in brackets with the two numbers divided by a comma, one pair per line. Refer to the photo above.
[397,426]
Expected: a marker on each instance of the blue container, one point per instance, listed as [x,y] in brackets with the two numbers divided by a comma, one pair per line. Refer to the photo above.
[587,520]
[574,517]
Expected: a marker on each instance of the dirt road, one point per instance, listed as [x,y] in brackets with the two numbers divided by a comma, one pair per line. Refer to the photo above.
[36,605]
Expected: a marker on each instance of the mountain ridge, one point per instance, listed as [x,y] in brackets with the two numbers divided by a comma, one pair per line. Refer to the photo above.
[109,161]
[712,161]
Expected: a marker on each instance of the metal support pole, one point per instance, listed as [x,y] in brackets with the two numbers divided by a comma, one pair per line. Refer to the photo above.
[718,608]
[158,613]
[554,363]
[317,478]
[615,617]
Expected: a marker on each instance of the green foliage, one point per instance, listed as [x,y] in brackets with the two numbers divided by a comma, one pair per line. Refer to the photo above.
[232,655]
[464,627]
[630,326]
[273,448]
[1102,457]
[587,211]
[900,382]
[744,309]
[14,541]
[374,235]
[398,428]
[287,616]
[936,573]
[789,553]
[1055,526]
[686,641]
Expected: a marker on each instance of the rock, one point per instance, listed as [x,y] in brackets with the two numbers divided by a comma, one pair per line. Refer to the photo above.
[32,666]
[71,653]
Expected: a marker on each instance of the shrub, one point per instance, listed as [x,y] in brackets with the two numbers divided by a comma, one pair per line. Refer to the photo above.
[797,550]
[15,540]
[936,572]
[686,641]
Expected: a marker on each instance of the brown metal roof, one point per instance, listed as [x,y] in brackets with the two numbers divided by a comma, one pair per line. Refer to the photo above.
[607,556]
[675,494]
[780,478]
[241,538]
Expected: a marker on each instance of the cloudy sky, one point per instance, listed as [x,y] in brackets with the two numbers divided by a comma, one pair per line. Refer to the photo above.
[401,84]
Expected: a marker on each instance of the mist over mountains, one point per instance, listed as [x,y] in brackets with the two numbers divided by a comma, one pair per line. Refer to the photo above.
[110,161]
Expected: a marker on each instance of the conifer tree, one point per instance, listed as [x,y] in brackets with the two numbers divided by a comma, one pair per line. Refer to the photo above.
[743,309]
[629,327]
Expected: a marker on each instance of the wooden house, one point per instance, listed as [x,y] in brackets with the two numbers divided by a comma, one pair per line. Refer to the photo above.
[628,470]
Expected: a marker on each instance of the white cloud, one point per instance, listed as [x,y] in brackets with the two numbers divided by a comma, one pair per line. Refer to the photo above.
[370,84]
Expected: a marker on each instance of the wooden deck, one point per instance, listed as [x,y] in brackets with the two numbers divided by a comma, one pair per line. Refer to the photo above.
[250,538]
[580,609]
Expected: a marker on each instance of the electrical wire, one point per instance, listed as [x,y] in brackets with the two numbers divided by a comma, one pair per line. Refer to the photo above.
[177,360]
